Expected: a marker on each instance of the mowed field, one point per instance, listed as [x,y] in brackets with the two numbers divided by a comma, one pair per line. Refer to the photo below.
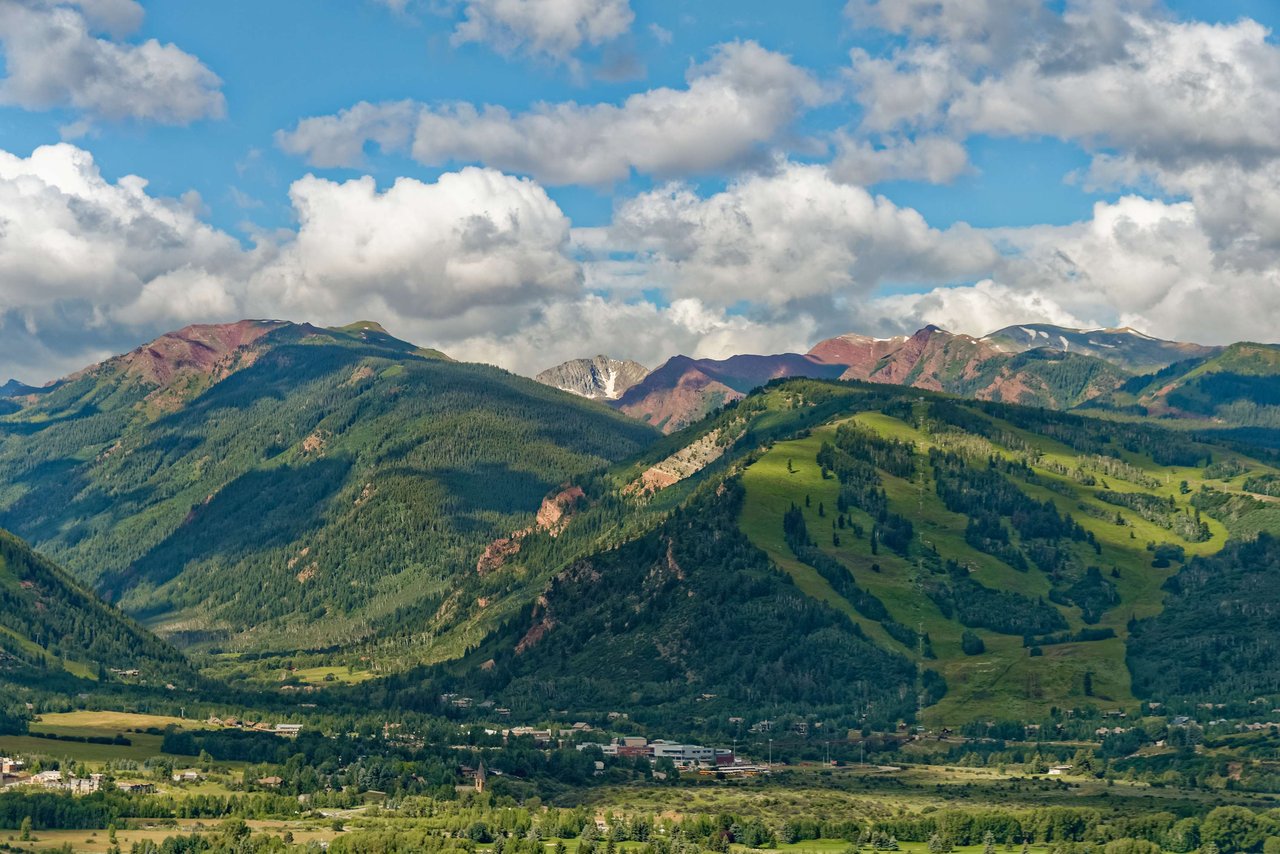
[97,841]
[95,724]
[1003,682]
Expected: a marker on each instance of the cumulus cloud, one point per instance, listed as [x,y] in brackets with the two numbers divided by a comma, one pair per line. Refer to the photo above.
[734,106]
[485,266]
[475,238]
[340,140]
[548,28]
[480,263]
[1136,262]
[1167,107]
[53,59]
[984,32]
[1151,265]
[936,159]
[789,237]
[82,259]
[87,263]
[1185,107]
[632,329]
[973,309]
[67,233]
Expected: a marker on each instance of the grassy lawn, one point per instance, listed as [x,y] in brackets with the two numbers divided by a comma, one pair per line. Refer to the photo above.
[109,723]
[144,747]
[339,674]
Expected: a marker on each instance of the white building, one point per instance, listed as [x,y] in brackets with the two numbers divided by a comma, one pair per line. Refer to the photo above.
[684,754]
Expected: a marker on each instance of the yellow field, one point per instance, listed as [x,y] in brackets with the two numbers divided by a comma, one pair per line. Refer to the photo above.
[94,723]
[316,675]
[95,841]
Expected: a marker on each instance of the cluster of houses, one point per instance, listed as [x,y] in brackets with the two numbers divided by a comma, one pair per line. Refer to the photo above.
[12,774]
[467,703]
[547,737]
[686,757]
[287,730]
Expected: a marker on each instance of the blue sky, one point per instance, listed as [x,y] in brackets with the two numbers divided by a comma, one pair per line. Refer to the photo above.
[1021,204]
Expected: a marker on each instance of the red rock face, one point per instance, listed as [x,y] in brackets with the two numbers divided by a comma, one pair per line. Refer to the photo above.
[921,360]
[691,396]
[552,516]
[683,390]
[858,352]
[556,510]
[194,349]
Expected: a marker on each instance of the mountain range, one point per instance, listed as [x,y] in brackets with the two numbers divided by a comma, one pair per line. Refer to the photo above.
[1033,364]
[890,525]
[244,483]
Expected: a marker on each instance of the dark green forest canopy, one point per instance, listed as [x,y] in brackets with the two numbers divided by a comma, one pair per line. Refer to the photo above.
[331,477]
[1218,637]
[688,610]
[46,620]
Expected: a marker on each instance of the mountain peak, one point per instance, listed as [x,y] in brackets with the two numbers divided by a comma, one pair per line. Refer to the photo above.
[364,326]
[194,349]
[1124,346]
[599,378]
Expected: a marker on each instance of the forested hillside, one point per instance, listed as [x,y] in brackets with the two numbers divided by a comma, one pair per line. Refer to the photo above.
[1007,552]
[49,625]
[1235,391]
[291,487]
[1218,637]
[689,619]
[286,500]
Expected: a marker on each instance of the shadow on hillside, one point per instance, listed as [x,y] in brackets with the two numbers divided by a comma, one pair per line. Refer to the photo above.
[258,511]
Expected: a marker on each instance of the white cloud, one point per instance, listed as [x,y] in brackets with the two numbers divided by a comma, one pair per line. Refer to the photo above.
[485,266]
[548,28]
[788,237]
[475,238]
[936,159]
[735,105]
[973,309]
[1151,265]
[1172,92]
[340,140]
[1183,109]
[83,259]
[639,330]
[53,59]
[1136,262]
[984,31]
[87,264]
[66,233]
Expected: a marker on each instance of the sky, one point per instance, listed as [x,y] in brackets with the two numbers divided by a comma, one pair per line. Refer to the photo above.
[521,182]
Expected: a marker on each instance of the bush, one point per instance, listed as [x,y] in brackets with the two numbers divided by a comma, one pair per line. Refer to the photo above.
[971,644]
